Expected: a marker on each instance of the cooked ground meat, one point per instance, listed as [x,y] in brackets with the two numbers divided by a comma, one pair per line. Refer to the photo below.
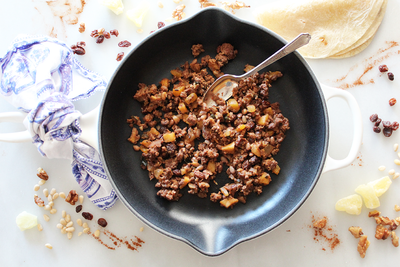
[244,133]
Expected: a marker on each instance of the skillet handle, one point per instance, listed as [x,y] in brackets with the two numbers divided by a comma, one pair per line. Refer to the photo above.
[88,123]
[16,137]
[333,164]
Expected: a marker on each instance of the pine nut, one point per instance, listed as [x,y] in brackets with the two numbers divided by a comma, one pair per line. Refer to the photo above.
[53,211]
[397,161]
[62,195]
[70,224]
[63,222]
[86,230]
[49,246]
[81,199]
[85,225]
[59,226]
[53,191]
[51,204]
[396,175]
[46,192]
[396,208]
[63,230]
[69,235]
[63,213]
[47,207]
[80,233]
[46,217]
[395,147]
[381,168]
[70,229]
[55,196]
[42,182]
[97,233]
[67,218]
[49,198]
[391,172]
[141,229]
[40,227]
[36,187]
[79,222]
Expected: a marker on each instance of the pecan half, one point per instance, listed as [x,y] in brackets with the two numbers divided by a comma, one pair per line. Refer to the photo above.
[72,197]
[42,174]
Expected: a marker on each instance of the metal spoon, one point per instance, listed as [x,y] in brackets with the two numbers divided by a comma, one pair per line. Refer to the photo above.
[224,85]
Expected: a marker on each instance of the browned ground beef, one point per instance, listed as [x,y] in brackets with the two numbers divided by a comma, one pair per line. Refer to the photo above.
[244,133]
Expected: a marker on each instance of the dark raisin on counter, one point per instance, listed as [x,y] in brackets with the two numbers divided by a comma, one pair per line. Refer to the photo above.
[373,117]
[102,222]
[87,216]
[78,208]
[390,76]
[383,68]
[376,129]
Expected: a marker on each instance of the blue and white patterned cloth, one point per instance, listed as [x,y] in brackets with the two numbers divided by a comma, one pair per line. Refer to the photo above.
[41,76]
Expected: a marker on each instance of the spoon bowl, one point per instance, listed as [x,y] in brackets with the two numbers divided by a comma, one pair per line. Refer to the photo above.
[224,85]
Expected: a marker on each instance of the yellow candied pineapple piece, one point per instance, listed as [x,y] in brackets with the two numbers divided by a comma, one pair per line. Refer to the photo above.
[380,185]
[367,192]
[115,5]
[351,204]
[137,14]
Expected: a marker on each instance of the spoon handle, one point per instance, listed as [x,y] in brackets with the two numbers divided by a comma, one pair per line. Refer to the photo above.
[301,40]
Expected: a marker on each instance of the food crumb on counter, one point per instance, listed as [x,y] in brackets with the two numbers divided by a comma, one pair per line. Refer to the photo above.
[326,236]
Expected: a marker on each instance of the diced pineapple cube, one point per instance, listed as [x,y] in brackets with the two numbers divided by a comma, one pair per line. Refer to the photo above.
[229,149]
[351,204]
[233,105]
[169,137]
[182,108]
[367,192]
[263,120]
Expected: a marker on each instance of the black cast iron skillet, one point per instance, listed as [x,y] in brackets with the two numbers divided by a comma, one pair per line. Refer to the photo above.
[204,225]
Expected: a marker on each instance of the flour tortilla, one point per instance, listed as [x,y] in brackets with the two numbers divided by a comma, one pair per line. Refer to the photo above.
[334,25]
[366,39]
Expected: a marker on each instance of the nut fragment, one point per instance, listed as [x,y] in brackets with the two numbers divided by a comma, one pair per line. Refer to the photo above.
[395,239]
[374,213]
[120,56]
[81,199]
[363,245]
[42,174]
[72,197]
[382,232]
[356,231]
[38,201]
[82,27]
[396,208]
[320,223]
[97,233]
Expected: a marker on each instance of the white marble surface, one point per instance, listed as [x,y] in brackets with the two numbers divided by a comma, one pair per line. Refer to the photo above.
[292,244]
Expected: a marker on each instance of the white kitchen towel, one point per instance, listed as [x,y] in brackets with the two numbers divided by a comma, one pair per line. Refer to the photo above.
[41,76]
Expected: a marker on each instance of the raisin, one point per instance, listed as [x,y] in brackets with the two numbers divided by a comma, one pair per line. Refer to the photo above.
[376,129]
[114,32]
[160,24]
[373,117]
[392,101]
[94,33]
[386,124]
[100,39]
[107,35]
[102,222]
[120,56]
[124,44]
[390,76]
[378,122]
[87,216]
[383,68]
[394,126]
[78,208]
[387,132]
[78,50]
